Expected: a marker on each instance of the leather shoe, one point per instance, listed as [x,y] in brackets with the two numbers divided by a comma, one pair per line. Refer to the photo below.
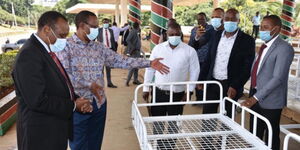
[136,82]
[111,86]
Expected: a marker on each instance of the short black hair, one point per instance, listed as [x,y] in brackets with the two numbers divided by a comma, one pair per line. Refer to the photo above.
[50,18]
[275,20]
[174,26]
[203,14]
[135,25]
[105,19]
[82,17]
[219,9]
[114,24]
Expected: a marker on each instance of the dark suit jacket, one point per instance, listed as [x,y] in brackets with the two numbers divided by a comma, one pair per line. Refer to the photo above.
[44,105]
[134,43]
[112,39]
[240,60]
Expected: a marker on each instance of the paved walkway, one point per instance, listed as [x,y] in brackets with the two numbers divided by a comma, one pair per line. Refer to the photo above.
[119,133]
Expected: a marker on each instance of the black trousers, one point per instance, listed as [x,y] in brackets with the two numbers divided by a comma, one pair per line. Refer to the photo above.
[108,75]
[255,31]
[213,93]
[158,127]
[273,115]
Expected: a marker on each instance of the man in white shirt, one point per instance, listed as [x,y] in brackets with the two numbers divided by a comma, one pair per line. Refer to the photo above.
[256,23]
[117,32]
[184,66]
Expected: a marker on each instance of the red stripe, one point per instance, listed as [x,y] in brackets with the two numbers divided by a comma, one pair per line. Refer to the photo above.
[154,38]
[8,113]
[161,10]
[287,18]
[133,19]
[135,4]
[285,32]
[289,3]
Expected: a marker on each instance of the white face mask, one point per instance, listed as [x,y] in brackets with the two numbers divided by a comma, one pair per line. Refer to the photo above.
[59,44]
[174,40]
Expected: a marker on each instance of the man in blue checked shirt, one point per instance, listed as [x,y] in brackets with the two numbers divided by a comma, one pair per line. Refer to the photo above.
[84,59]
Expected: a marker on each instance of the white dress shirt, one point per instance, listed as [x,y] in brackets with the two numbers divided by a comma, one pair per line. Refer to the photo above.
[117,31]
[256,20]
[182,61]
[108,38]
[220,71]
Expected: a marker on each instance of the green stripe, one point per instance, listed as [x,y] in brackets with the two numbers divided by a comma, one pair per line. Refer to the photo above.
[135,10]
[284,36]
[158,20]
[7,124]
[288,8]
[286,23]
[152,45]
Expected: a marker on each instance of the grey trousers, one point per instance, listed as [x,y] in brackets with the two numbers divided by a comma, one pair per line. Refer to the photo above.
[135,73]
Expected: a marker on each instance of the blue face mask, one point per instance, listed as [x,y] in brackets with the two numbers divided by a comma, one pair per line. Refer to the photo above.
[59,44]
[216,22]
[230,26]
[174,40]
[265,35]
[93,33]
[105,25]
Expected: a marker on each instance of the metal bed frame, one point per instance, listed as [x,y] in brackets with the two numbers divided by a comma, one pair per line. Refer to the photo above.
[288,137]
[197,131]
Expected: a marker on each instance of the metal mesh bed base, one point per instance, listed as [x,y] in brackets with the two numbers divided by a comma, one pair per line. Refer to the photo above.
[201,132]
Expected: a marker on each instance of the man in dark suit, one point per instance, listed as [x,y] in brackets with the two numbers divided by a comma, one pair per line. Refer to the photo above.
[106,36]
[269,79]
[46,98]
[229,61]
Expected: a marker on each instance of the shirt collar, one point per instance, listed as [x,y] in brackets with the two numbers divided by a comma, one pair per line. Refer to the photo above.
[272,41]
[166,44]
[42,42]
[234,36]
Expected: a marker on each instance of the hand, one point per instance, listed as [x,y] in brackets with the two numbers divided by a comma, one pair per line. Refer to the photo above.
[146,96]
[96,89]
[155,64]
[199,86]
[231,93]
[83,105]
[199,33]
[249,102]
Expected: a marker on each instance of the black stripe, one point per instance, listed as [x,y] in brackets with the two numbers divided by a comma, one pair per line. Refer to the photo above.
[134,15]
[8,105]
[287,13]
[286,28]
[166,3]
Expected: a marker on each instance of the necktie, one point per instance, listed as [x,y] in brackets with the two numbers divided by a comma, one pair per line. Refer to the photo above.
[63,72]
[107,42]
[255,67]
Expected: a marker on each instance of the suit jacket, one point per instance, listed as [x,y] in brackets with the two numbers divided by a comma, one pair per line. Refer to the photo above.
[272,77]
[44,105]
[240,60]
[112,39]
[134,43]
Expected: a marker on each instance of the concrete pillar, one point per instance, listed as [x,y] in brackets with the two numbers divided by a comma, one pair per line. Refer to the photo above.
[117,13]
[216,3]
[161,12]
[134,11]
[288,9]
[124,11]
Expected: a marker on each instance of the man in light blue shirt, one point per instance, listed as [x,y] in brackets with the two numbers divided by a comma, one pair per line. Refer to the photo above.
[256,23]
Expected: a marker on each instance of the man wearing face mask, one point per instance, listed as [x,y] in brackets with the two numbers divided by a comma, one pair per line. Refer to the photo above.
[46,98]
[106,36]
[184,66]
[269,78]
[229,62]
[202,41]
[84,60]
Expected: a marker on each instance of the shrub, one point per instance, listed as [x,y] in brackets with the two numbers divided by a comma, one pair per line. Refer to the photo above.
[6,65]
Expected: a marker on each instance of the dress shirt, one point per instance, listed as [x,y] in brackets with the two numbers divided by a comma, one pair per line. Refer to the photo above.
[108,38]
[182,61]
[48,50]
[84,64]
[220,71]
[256,20]
[117,31]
